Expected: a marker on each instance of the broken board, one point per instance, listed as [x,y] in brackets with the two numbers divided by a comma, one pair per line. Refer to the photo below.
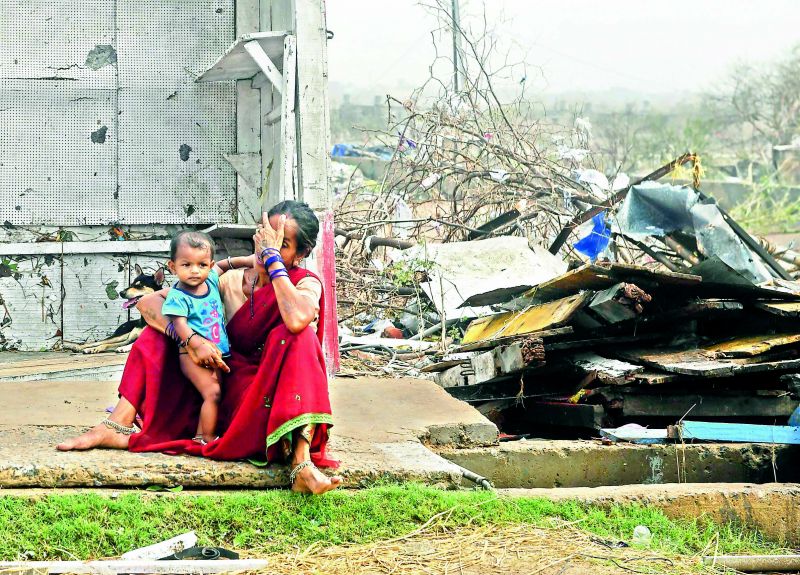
[752,345]
[783,308]
[535,318]
[604,275]
[607,371]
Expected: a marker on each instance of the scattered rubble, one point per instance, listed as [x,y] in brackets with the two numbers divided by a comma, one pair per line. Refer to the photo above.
[674,309]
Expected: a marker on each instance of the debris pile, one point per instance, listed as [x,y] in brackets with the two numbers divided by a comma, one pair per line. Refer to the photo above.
[660,306]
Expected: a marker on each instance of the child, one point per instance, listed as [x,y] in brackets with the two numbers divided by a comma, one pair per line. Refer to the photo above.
[194,307]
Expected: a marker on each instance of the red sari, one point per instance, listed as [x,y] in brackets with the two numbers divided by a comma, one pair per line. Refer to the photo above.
[277,384]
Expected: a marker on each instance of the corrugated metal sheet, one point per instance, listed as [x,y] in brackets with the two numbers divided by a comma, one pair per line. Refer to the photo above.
[31,316]
[174,171]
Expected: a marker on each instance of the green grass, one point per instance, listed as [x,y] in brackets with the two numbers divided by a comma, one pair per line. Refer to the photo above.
[86,526]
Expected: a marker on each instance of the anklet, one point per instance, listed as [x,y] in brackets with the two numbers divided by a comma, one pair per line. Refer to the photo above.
[120,428]
[299,468]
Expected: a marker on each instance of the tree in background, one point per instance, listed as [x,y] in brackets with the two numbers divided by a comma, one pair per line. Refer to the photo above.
[760,105]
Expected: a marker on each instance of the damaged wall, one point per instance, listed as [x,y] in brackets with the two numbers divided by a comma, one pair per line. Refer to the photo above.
[102,126]
[102,120]
[52,298]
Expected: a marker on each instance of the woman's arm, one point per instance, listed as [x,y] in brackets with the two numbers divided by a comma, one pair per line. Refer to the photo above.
[232,263]
[202,351]
[297,310]
[150,308]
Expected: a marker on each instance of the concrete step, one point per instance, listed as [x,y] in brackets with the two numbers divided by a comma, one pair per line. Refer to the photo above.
[62,367]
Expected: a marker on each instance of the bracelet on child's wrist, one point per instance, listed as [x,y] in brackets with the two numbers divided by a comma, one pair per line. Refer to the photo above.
[230,264]
[188,339]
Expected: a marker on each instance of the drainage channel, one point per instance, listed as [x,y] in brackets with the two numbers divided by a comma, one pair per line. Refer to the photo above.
[564,463]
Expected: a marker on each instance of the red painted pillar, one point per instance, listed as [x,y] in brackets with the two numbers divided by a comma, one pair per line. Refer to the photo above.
[327,264]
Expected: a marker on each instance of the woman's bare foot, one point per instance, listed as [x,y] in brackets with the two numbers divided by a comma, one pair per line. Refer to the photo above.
[98,436]
[311,480]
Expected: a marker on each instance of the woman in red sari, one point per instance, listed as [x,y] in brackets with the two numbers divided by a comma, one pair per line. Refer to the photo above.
[275,404]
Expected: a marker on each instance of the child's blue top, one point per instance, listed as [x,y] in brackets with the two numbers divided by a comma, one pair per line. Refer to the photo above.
[204,313]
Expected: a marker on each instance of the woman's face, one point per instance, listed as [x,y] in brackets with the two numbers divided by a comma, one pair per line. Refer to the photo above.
[289,248]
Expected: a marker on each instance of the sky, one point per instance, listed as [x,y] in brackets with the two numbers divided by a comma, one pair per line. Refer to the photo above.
[569,46]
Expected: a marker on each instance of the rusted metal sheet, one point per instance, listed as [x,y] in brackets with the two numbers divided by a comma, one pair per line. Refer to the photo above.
[752,345]
[533,319]
[604,275]
[30,317]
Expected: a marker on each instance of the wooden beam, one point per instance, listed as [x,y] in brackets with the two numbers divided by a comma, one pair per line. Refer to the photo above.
[289,188]
[313,114]
[273,117]
[248,125]
[267,67]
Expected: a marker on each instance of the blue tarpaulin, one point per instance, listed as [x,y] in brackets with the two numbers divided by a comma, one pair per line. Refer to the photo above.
[596,242]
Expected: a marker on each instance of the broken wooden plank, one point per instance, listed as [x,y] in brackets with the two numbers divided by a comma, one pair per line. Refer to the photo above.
[237,64]
[448,361]
[601,342]
[488,344]
[752,345]
[739,432]
[688,362]
[489,365]
[532,319]
[604,275]
[677,405]
[653,378]
[607,371]
[782,308]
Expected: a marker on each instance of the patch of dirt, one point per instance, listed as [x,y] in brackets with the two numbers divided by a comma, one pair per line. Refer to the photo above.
[482,550]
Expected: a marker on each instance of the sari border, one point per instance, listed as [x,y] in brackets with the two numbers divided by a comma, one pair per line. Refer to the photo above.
[299,421]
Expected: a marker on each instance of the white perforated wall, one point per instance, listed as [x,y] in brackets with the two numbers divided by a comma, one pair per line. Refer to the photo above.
[97,100]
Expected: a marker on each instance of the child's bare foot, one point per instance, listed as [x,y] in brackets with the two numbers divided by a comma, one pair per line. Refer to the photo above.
[312,481]
[98,436]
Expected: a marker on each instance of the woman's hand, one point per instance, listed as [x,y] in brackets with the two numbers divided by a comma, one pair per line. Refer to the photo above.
[206,354]
[268,237]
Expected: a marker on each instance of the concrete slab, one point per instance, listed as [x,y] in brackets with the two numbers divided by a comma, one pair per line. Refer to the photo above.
[380,429]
